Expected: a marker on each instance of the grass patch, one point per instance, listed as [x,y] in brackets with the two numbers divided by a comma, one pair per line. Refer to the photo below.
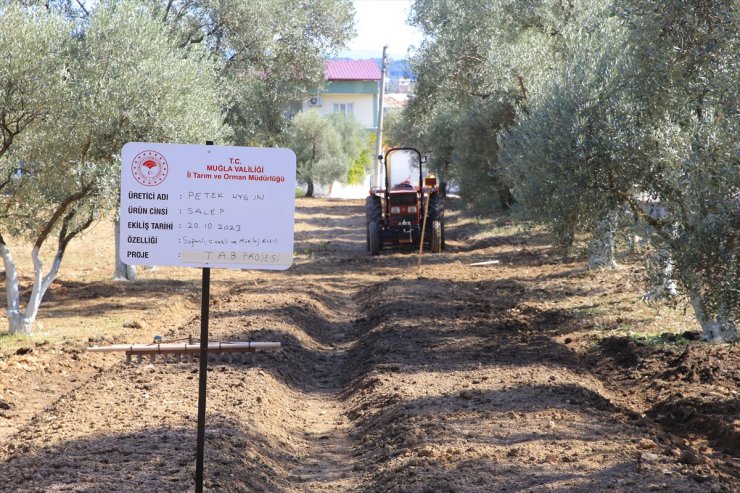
[11,343]
[660,339]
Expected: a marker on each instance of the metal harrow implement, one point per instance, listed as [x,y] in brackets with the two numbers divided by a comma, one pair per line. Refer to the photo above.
[175,352]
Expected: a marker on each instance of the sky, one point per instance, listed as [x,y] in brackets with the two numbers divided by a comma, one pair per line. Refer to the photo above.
[381,22]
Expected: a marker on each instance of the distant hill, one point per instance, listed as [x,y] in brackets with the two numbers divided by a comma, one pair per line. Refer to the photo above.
[398,69]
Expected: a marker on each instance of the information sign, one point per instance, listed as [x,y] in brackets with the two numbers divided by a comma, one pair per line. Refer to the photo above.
[207,206]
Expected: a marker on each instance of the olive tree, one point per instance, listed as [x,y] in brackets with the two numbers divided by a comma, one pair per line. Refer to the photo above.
[474,67]
[273,53]
[641,113]
[688,147]
[123,80]
[34,45]
[325,147]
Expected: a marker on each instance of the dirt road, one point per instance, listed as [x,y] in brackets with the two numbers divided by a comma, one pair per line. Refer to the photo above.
[517,376]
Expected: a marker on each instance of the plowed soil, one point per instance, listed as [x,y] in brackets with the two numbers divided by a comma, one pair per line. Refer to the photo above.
[531,374]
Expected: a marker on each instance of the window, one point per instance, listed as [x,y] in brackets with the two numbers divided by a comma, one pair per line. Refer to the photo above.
[345,108]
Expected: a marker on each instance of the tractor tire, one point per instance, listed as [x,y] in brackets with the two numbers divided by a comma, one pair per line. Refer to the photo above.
[436,246]
[373,214]
[437,213]
[373,209]
[373,238]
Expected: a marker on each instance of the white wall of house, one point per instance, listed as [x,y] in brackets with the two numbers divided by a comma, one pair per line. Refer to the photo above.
[363,108]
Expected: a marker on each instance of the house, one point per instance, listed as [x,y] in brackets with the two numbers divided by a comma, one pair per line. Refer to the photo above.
[352,88]
[394,102]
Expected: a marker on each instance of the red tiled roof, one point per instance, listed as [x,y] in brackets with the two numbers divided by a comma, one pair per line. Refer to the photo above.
[395,100]
[352,70]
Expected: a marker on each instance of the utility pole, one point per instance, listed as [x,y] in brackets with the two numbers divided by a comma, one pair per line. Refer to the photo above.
[379,143]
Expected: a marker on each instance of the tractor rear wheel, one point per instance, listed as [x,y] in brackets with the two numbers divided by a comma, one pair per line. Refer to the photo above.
[373,238]
[437,213]
[436,246]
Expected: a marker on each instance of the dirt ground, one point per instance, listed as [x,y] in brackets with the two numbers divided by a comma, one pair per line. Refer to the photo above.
[529,375]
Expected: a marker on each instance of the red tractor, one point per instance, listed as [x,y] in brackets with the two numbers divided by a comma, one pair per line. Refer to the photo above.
[406,214]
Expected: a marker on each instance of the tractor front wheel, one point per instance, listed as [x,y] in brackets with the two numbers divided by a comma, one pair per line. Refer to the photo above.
[373,209]
[436,246]
[373,238]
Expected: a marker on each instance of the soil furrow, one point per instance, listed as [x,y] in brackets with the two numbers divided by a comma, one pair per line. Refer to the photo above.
[524,375]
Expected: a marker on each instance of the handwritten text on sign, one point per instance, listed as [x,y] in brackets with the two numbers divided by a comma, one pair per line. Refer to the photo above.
[207,206]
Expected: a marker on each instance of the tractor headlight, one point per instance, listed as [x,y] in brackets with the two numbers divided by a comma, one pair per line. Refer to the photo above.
[412,209]
[395,210]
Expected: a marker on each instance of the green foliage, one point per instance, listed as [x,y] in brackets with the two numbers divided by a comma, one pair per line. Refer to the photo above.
[318,148]
[328,149]
[619,104]
[123,80]
[111,76]
[627,119]
[34,48]
[359,168]
[394,129]
[475,154]
[272,52]
[353,136]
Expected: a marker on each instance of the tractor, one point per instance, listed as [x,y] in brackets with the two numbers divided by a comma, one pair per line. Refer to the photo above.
[405,214]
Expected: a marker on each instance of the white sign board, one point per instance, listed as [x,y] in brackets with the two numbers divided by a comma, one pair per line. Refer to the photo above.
[207,206]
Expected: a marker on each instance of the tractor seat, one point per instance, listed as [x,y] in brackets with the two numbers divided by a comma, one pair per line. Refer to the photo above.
[404,185]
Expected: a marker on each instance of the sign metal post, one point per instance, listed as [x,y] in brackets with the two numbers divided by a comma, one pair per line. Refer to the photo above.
[203,373]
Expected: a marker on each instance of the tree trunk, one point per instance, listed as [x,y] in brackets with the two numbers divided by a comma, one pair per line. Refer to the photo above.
[309,188]
[721,328]
[505,198]
[602,255]
[18,323]
[565,236]
[661,269]
[22,322]
[122,272]
[665,263]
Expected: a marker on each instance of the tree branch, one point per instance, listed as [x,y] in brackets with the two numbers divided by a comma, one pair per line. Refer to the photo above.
[10,176]
[167,10]
[58,213]
[521,85]
[82,6]
[66,235]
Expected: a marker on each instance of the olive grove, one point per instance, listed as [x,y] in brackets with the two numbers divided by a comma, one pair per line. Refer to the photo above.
[80,79]
[112,77]
[624,112]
